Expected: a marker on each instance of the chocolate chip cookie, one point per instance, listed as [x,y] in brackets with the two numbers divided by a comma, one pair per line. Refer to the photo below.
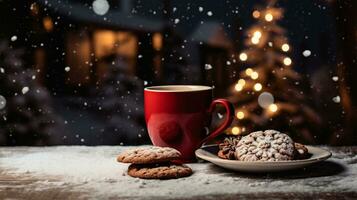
[146,155]
[301,152]
[159,171]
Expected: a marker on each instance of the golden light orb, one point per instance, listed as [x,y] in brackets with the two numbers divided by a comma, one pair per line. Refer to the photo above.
[241,82]
[243,56]
[273,107]
[258,87]
[285,47]
[257,34]
[235,130]
[249,71]
[256,14]
[287,61]
[268,17]
[240,114]
[255,40]
[238,87]
[254,75]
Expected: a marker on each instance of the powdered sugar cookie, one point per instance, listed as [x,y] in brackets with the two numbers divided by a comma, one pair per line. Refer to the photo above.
[269,145]
[159,171]
[145,155]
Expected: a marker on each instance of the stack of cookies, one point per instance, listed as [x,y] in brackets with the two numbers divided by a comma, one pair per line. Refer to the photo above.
[154,163]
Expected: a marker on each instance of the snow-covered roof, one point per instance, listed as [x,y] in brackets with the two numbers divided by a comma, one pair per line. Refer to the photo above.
[113,18]
[213,34]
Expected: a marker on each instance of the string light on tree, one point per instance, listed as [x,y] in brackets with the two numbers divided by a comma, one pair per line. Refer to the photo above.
[238,87]
[249,71]
[255,40]
[256,37]
[257,34]
[243,56]
[268,17]
[273,107]
[285,47]
[240,114]
[258,87]
[287,61]
[240,84]
[235,130]
[256,14]
[254,75]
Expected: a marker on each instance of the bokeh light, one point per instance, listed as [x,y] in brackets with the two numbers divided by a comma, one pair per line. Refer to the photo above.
[249,71]
[240,114]
[265,99]
[256,14]
[273,107]
[269,17]
[254,75]
[287,61]
[235,130]
[285,47]
[258,87]
[243,56]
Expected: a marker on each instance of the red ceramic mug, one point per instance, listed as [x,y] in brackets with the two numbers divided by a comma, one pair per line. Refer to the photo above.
[178,116]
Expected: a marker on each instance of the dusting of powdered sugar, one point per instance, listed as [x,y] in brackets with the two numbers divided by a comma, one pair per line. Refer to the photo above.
[268,145]
[94,171]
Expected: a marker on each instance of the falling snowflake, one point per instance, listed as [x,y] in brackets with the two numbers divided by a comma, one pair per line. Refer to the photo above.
[140,56]
[145,83]
[2,70]
[306,53]
[336,99]
[200,9]
[100,7]
[209,13]
[265,99]
[208,66]
[67,69]
[335,78]
[220,116]
[13,38]
[25,90]
[228,62]
[177,20]
[2,102]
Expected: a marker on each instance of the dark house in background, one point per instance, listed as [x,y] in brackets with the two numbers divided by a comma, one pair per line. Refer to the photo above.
[75,46]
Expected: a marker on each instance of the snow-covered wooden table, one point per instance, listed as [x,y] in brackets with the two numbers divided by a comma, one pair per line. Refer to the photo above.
[80,172]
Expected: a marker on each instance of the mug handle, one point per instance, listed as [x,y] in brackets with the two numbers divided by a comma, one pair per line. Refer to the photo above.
[226,123]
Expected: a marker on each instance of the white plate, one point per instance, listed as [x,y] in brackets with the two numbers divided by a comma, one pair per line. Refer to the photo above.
[209,153]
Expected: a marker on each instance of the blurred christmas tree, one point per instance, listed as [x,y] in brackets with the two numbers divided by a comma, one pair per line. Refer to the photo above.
[26,115]
[270,94]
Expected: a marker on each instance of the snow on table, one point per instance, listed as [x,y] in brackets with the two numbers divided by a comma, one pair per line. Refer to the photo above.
[80,172]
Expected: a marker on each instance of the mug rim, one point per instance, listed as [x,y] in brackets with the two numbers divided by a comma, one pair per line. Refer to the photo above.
[197,88]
